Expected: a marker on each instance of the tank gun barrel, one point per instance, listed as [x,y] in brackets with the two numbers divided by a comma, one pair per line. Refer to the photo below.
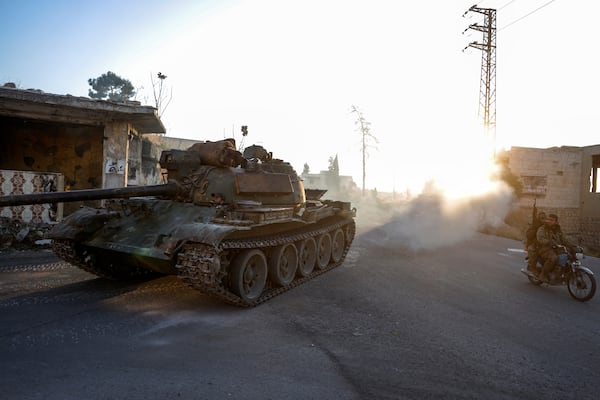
[169,189]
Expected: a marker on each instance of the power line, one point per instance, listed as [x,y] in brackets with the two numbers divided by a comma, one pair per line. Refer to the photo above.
[520,18]
[511,1]
[526,15]
[479,3]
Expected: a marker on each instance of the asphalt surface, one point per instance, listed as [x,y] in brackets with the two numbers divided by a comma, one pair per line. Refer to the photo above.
[456,322]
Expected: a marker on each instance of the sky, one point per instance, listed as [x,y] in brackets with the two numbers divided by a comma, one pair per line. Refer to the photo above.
[292,71]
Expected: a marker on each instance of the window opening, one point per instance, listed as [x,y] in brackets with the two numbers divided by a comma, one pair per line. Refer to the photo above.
[594,173]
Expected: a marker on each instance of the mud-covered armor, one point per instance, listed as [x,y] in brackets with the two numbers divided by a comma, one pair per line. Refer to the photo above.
[238,227]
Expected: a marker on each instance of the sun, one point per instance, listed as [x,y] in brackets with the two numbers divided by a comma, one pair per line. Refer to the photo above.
[467,170]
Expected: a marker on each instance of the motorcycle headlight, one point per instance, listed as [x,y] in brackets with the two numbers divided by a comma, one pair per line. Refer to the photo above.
[579,256]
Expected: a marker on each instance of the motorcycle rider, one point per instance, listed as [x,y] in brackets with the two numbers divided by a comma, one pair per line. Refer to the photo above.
[531,243]
[550,238]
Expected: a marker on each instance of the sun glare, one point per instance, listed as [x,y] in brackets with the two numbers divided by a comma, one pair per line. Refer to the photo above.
[467,171]
[466,181]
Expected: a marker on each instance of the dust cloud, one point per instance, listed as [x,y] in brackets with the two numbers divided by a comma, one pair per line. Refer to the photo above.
[430,220]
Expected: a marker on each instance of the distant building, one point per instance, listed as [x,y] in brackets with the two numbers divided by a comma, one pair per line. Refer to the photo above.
[564,181]
[152,146]
[334,183]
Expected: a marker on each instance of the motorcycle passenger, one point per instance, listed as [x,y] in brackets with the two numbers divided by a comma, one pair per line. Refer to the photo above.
[550,238]
[531,243]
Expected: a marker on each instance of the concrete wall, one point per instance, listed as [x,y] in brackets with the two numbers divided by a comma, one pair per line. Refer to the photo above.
[590,202]
[151,148]
[552,177]
[76,151]
[115,154]
[560,180]
[176,143]
[338,186]
[90,157]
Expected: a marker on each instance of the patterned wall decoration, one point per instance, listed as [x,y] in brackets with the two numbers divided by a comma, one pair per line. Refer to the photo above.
[27,182]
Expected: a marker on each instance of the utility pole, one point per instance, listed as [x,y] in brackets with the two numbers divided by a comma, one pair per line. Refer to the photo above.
[487,84]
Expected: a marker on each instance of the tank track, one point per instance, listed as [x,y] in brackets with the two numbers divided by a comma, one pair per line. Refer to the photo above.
[195,263]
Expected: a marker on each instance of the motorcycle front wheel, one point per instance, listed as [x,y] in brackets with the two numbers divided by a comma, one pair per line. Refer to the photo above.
[581,285]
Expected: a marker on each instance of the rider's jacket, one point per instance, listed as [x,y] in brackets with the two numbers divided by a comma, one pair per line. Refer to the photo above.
[548,237]
[530,235]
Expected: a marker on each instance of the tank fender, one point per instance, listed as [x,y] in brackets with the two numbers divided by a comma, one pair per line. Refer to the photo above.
[82,224]
[196,232]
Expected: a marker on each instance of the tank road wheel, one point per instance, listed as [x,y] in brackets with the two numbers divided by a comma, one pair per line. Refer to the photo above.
[249,275]
[338,244]
[323,250]
[283,263]
[307,257]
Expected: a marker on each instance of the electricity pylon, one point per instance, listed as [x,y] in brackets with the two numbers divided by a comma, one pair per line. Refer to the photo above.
[487,84]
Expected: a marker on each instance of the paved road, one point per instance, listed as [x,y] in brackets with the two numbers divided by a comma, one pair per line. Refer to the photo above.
[459,322]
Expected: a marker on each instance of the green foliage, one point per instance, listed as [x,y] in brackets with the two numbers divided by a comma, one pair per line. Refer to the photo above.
[513,181]
[111,86]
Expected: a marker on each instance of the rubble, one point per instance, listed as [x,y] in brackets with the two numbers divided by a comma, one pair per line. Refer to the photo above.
[20,235]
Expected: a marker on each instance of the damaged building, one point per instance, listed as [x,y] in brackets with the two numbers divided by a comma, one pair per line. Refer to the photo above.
[51,142]
[561,180]
[336,184]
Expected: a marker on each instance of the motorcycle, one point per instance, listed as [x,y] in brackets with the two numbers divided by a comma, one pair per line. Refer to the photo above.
[579,279]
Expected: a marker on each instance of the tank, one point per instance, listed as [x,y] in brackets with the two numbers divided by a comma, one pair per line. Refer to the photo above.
[238,227]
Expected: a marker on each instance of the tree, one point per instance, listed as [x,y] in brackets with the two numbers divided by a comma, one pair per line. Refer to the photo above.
[162,94]
[507,176]
[111,86]
[364,128]
[306,169]
[333,165]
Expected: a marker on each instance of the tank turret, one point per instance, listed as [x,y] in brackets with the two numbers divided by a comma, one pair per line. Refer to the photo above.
[236,226]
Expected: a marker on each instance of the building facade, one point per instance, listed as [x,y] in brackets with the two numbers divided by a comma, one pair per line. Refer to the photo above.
[335,184]
[561,180]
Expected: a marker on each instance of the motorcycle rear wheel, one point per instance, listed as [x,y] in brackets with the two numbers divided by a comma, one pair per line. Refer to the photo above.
[581,285]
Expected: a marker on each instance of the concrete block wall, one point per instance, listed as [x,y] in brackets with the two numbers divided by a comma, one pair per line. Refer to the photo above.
[150,149]
[590,232]
[555,173]
[552,177]
[565,191]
